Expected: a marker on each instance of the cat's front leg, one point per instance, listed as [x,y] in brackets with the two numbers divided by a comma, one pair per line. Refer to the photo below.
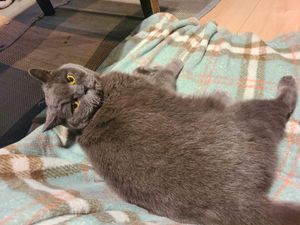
[173,68]
[162,76]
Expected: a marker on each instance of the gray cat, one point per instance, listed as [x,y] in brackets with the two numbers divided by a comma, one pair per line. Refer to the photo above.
[195,160]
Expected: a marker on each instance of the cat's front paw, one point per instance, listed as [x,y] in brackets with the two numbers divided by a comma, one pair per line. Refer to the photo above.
[143,70]
[94,96]
[223,97]
[176,65]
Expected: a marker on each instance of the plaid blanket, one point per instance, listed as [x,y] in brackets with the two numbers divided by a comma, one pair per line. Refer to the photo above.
[46,177]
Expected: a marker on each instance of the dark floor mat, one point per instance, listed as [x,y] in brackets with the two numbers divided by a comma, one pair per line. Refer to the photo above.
[18,95]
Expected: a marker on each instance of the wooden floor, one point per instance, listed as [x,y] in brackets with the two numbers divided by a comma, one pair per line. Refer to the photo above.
[267,18]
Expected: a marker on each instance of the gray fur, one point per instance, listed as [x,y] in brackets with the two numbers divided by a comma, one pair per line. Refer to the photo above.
[162,76]
[197,160]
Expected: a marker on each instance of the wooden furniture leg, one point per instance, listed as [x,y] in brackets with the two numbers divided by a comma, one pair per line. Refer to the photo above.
[150,7]
[46,7]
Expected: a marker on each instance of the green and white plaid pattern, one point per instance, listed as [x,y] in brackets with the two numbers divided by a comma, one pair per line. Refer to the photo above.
[46,177]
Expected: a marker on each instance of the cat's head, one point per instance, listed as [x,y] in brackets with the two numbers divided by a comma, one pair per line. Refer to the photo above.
[70,95]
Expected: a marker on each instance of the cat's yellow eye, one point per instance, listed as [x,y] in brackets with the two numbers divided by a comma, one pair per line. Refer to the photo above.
[75,105]
[71,79]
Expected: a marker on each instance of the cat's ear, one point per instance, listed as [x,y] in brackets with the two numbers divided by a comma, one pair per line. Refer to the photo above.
[52,120]
[40,74]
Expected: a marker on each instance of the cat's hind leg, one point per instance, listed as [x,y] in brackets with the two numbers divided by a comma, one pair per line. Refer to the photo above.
[287,93]
[272,114]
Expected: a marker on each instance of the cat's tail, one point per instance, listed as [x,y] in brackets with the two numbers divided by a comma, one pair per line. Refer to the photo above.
[282,213]
[267,213]
[287,94]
